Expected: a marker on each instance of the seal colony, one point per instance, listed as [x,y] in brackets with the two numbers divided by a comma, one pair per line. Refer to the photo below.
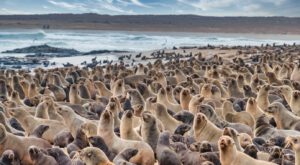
[181,106]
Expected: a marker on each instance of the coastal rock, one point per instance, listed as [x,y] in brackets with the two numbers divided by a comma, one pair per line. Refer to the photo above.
[43,49]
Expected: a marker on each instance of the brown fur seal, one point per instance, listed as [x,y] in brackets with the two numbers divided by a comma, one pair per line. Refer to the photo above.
[296,148]
[94,156]
[210,113]
[118,87]
[234,135]
[84,91]
[272,79]
[16,98]
[75,97]
[20,144]
[126,127]
[52,109]
[29,123]
[195,101]
[116,144]
[9,157]
[39,157]
[286,91]
[205,129]
[8,127]
[162,99]
[74,121]
[149,129]
[115,107]
[179,75]
[80,142]
[59,93]
[135,97]
[163,151]
[233,89]
[185,98]
[187,156]
[60,156]
[284,119]
[296,72]
[266,131]
[170,95]
[102,89]
[262,97]
[3,89]
[17,87]
[232,116]
[229,155]
[62,139]
[41,110]
[124,156]
[144,91]
[295,102]
[170,123]
[253,109]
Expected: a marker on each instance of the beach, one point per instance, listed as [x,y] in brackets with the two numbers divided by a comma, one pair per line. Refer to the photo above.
[133,42]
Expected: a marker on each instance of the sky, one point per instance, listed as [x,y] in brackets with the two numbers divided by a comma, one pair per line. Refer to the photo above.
[290,8]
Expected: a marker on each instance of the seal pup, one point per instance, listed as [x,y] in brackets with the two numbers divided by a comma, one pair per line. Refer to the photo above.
[39,157]
[80,142]
[97,141]
[163,151]
[94,156]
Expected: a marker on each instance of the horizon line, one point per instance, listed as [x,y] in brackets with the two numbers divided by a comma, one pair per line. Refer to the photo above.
[146,15]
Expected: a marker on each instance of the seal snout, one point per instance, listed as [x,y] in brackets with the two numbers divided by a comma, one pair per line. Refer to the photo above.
[222,143]
[129,114]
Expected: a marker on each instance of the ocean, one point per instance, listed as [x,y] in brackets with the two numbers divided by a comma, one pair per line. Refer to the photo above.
[85,41]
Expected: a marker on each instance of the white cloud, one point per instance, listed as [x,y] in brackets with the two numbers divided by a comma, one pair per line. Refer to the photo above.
[112,8]
[5,11]
[133,2]
[209,4]
[251,7]
[138,3]
[70,6]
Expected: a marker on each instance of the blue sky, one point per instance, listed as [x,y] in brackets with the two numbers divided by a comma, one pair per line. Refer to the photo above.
[114,7]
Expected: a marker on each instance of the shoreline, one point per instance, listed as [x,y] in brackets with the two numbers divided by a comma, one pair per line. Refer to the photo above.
[150,31]
[144,56]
